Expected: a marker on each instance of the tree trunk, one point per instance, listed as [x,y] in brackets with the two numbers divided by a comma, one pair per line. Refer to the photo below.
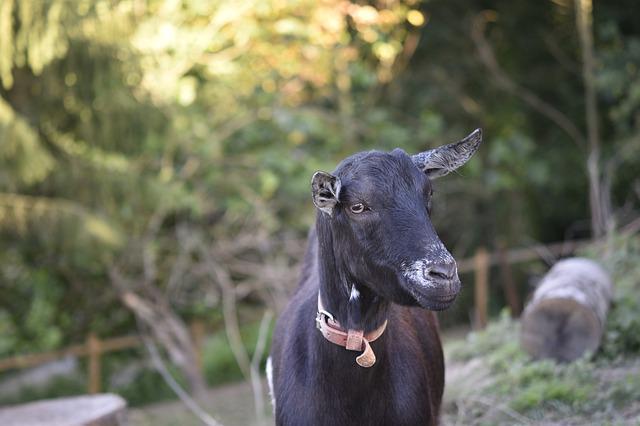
[567,313]
[598,198]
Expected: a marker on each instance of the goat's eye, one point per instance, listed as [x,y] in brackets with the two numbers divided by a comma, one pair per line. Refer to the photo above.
[358,208]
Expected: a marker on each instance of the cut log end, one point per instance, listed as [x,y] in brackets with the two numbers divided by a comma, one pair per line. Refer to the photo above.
[566,316]
[561,329]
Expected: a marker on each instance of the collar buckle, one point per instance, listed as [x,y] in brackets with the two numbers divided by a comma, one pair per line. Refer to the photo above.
[321,317]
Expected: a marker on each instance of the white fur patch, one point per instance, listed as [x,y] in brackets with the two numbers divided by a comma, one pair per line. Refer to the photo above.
[415,271]
[269,371]
[354,294]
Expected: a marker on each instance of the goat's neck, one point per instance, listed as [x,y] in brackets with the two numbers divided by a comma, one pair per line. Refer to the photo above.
[349,300]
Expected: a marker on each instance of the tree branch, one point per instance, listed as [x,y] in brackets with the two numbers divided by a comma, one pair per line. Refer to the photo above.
[256,383]
[189,402]
[599,194]
[485,52]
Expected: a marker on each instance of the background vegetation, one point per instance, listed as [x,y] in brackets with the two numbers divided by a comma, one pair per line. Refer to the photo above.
[156,154]
[493,381]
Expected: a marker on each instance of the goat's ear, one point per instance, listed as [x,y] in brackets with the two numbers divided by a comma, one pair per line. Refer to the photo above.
[445,159]
[325,189]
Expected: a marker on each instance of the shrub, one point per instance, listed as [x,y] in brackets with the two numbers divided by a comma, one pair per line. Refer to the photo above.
[621,336]
[220,365]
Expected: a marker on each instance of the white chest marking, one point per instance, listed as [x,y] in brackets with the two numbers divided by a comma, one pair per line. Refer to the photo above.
[353,296]
[269,371]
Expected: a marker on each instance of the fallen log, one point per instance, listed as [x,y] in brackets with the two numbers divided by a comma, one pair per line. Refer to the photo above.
[566,315]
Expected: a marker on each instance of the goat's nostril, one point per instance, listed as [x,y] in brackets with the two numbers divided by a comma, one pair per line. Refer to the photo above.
[438,275]
[442,271]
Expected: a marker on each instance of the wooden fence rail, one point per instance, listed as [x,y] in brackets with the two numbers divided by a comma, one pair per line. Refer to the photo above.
[479,264]
[92,348]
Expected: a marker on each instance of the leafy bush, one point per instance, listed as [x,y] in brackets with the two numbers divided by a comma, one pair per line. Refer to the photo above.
[220,365]
[59,386]
[148,387]
[621,336]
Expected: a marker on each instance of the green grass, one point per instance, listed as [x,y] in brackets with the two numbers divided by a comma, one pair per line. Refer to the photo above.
[600,388]
[540,390]
[515,377]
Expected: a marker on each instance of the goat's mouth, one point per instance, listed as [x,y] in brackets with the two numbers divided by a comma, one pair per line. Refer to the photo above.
[434,302]
[436,297]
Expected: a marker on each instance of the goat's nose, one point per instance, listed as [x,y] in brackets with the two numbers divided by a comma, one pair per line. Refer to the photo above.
[442,271]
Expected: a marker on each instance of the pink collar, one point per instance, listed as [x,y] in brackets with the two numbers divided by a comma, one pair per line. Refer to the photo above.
[352,340]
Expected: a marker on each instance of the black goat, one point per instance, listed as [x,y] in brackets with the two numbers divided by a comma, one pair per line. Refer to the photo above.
[372,262]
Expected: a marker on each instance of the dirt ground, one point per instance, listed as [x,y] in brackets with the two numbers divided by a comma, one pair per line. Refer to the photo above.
[231,405]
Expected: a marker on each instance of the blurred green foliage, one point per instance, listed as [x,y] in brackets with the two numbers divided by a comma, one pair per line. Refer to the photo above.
[215,114]
[56,387]
[206,113]
[147,387]
[620,336]
[220,365]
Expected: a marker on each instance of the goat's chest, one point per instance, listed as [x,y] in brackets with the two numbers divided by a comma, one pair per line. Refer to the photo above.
[383,396]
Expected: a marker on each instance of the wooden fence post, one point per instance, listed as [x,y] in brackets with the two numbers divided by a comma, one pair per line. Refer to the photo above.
[481,290]
[198,336]
[94,349]
[508,283]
